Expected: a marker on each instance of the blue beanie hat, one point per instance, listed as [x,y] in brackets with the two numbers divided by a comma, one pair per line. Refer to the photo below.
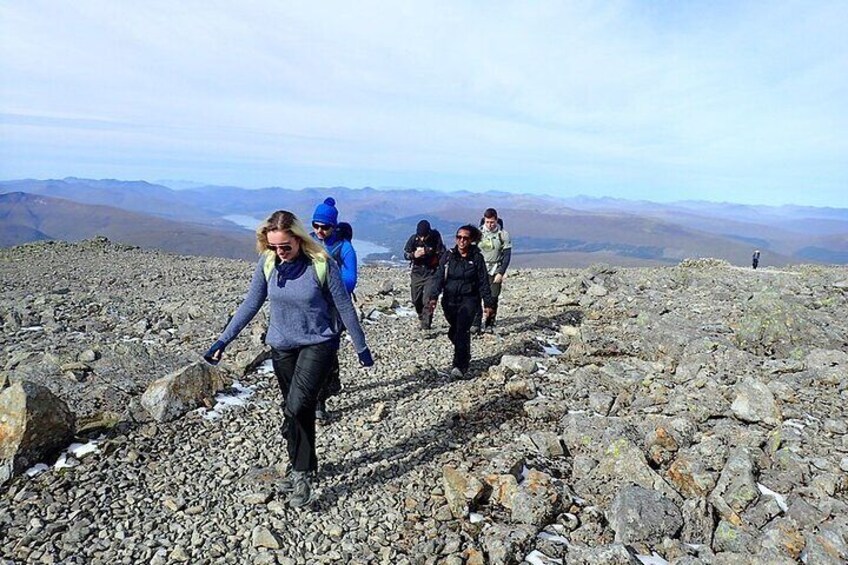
[326,213]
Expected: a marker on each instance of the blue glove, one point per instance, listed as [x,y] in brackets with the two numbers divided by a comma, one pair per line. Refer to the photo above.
[213,356]
[365,358]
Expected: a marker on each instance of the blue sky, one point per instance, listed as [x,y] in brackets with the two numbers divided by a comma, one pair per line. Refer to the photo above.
[660,100]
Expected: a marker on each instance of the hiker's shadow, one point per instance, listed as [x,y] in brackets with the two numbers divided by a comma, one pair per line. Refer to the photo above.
[429,379]
[377,467]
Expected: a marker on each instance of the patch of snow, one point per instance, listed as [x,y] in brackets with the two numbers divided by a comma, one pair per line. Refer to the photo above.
[551,350]
[474,517]
[80,450]
[652,559]
[405,312]
[524,472]
[694,546]
[65,462]
[553,538]
[32,329]
[536,557]
[779,498]
[794,424]
[36,470]
[225,401]
[266,368]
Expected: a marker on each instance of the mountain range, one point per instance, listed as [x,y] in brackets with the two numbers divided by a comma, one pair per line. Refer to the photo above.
[547,231]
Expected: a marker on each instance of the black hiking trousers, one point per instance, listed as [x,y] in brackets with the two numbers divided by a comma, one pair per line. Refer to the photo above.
[459,315]
[422,281]
[301,373]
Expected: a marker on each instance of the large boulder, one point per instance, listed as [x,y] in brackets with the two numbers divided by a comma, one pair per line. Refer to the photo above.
[175,394]
[34,425]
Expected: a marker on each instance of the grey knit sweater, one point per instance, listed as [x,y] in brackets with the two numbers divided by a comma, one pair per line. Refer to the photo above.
[301,313]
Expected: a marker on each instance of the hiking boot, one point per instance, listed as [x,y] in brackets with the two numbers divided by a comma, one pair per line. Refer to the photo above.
[321,413]
[475,330]
[456,373]
[302,493]
[426,324]
[286,484]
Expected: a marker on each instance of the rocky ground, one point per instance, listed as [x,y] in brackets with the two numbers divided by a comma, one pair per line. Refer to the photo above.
[693,414]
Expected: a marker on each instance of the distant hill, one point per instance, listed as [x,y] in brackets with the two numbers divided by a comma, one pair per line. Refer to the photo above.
[547,231]
[28,217]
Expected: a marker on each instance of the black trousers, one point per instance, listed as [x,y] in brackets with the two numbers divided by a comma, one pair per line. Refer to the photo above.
[459,315]
[301,373]
[421,286]
[333,384]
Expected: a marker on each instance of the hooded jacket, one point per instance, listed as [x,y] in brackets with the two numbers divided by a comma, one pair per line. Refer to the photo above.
[460,278]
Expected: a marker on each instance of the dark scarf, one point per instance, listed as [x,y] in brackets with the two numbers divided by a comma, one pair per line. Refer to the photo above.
[291,270]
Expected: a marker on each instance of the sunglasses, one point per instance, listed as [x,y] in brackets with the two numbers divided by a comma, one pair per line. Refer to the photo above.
[321,227]
[463,238]
[284,248]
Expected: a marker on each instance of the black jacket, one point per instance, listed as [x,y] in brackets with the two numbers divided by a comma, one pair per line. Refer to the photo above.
[433,250]
[463,277]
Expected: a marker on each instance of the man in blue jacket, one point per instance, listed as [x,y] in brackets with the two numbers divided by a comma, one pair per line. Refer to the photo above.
[325,223]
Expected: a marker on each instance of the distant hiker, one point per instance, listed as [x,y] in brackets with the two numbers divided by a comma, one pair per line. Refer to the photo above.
[755,260]
[337,242]
[496,247]
[463,282]
[305,295]
[424,249]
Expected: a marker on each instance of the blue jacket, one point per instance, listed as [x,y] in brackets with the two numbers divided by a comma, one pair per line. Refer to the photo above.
[344,255]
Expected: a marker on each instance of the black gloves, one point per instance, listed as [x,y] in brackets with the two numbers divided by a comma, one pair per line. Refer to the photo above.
[365,358]
[213,356]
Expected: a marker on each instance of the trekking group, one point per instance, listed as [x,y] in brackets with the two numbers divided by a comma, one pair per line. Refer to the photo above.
[309,279]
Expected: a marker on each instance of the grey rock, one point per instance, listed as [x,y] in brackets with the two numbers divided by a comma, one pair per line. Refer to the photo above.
[185,389]
[519,364]
[34,424]
[754,402]
[545,443]
[536,500]
[461,489]
[261,536]
[698,522]
[611,554]
[506,545]
[736,488]
[731,538]
[600,402]
[545,408]
[828,546]
[641,515]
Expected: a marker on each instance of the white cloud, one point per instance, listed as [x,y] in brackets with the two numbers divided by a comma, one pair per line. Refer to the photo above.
[647,97]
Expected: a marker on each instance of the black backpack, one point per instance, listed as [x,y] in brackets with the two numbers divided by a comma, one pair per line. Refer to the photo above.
[344,232]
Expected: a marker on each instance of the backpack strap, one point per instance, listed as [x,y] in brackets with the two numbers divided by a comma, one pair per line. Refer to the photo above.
[321,268]
[270,263]
[319,265]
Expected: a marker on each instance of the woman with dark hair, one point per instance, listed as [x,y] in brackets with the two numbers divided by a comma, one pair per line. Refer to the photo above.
[305,291]
[463,281]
